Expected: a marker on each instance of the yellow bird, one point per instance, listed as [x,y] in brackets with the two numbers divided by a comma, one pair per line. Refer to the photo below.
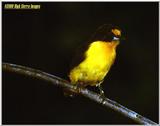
[93,60]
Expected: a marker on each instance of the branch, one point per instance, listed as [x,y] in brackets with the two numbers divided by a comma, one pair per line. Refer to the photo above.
[85,92]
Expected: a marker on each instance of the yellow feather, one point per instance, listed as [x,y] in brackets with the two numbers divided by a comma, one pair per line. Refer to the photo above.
[99,58]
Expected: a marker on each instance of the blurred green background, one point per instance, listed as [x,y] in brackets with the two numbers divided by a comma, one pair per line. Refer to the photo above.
[46,39]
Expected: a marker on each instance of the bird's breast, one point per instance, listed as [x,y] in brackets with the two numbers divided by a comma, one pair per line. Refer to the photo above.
[100,55]
[98,59]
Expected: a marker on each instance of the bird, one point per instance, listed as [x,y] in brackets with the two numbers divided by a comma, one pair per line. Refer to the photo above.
[93,60]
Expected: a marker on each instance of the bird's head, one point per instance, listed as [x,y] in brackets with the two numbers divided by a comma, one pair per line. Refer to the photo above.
[113,33]
[107,33]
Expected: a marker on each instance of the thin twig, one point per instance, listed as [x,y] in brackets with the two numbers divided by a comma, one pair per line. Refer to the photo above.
[85,92]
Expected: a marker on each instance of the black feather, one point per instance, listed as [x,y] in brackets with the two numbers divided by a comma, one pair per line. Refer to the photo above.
[103,33]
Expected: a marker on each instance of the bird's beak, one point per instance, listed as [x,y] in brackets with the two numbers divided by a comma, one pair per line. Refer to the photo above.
[118,38]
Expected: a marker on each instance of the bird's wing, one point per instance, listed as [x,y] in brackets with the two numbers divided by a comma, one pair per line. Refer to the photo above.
[79,55]
[100,35]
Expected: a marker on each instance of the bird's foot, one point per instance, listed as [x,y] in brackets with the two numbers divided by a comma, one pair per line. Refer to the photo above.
[100,90]
[74,92]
